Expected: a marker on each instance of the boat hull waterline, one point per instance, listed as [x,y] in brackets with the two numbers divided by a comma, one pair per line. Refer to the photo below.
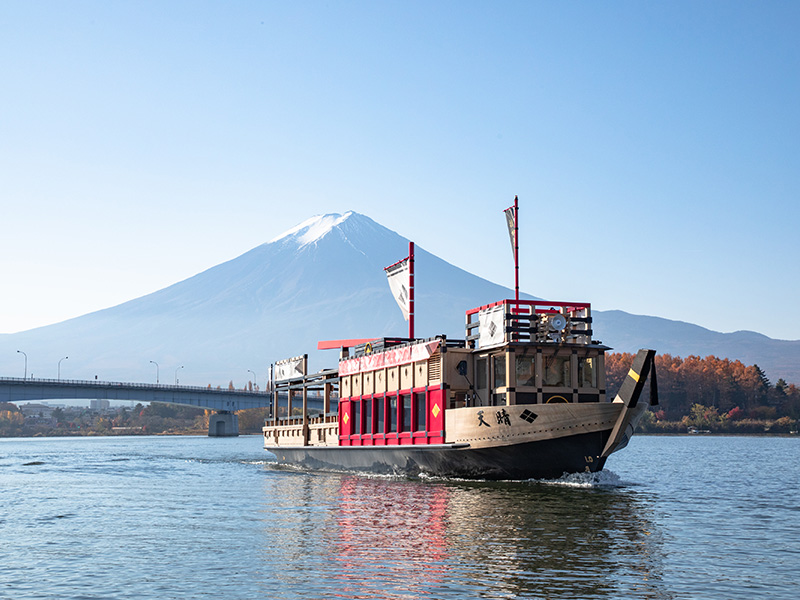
[542,459]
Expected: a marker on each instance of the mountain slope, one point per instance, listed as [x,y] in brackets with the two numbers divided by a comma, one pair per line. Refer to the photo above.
[323,279]
[627,332]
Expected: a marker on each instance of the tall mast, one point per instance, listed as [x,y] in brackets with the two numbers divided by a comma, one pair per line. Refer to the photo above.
[516,251]
[411,290]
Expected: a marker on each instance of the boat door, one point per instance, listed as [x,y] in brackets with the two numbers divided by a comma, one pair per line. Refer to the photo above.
[490,376]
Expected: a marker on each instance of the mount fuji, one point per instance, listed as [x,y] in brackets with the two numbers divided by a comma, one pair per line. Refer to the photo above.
[322,279]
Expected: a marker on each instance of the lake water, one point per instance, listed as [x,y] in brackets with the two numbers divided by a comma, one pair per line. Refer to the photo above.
[195,517]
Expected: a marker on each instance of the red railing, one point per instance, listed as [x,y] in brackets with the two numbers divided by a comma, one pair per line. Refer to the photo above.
[535,321]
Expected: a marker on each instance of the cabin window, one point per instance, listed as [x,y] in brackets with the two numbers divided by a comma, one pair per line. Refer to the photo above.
[556,371]
[405,422]
[419,411]
[356,417]
[526,375]
[481,380]
[368,416]
[500,370]
[587,373]
[390,420]
[381,404]
[480,374]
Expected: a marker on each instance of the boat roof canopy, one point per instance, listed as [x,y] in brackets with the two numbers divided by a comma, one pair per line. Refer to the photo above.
[336,344]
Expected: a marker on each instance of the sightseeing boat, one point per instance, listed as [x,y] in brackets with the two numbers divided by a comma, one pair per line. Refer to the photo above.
[522,396]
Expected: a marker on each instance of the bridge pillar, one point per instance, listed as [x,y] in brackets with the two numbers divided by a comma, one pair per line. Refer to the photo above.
[223,424]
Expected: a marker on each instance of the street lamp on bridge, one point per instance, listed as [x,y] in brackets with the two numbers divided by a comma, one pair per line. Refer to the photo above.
[26,363]
[59,367]
[255,379]
[156,364]
[176,374]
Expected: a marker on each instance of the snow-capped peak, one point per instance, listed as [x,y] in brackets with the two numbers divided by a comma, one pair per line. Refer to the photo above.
[313,229]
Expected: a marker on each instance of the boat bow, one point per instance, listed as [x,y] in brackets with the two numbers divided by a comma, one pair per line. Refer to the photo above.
[629,393]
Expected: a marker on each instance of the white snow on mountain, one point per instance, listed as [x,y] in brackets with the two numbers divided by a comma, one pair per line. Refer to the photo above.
[313,229]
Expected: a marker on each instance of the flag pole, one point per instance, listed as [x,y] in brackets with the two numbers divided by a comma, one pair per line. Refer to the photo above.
[516,251]
[411,290]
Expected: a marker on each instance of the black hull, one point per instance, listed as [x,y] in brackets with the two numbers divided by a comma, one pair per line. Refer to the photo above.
[545,459]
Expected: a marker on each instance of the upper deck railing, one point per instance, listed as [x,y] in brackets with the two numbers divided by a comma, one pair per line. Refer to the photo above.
[529,321]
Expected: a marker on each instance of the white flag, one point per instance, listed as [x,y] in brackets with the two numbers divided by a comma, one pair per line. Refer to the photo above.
[399,276]
[290,368]
[510,220]
[491,326]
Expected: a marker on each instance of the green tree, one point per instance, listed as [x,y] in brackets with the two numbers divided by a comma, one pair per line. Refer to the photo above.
[703,417]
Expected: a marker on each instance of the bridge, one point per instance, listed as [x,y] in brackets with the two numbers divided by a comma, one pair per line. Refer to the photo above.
[224,403]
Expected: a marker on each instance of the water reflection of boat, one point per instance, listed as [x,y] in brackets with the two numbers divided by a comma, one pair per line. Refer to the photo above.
[400,539]
[371,513]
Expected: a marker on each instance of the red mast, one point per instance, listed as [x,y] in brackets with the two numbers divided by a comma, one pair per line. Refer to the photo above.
[411,290]
[516,251]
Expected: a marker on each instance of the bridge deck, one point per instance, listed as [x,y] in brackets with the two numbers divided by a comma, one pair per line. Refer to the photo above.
[29,390]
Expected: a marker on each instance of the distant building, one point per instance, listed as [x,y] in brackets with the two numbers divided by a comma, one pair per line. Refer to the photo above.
[99,404]
[35,411]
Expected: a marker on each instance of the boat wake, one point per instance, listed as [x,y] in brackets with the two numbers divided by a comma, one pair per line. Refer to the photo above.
[601,479]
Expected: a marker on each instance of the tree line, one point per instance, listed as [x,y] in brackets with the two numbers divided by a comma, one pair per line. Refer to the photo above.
[712,393]
[155,418]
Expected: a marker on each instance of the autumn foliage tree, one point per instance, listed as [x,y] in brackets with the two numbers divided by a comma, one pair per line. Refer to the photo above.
[729,386]
[11,420]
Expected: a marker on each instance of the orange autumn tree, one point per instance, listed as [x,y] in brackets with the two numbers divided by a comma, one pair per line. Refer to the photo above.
[727,385]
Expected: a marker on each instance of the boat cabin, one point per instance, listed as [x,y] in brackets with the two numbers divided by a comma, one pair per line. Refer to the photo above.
[398,391]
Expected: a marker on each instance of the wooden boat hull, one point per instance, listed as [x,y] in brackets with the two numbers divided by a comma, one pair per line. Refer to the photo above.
[540,459]
[503,441]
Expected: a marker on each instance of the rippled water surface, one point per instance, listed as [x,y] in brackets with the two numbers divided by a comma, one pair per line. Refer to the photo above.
[182,517]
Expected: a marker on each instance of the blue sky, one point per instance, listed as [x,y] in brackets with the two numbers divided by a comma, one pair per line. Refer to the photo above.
[654,145]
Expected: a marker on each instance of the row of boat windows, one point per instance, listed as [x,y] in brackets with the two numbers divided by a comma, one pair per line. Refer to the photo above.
[389,414]
[463,399]
[556,371]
